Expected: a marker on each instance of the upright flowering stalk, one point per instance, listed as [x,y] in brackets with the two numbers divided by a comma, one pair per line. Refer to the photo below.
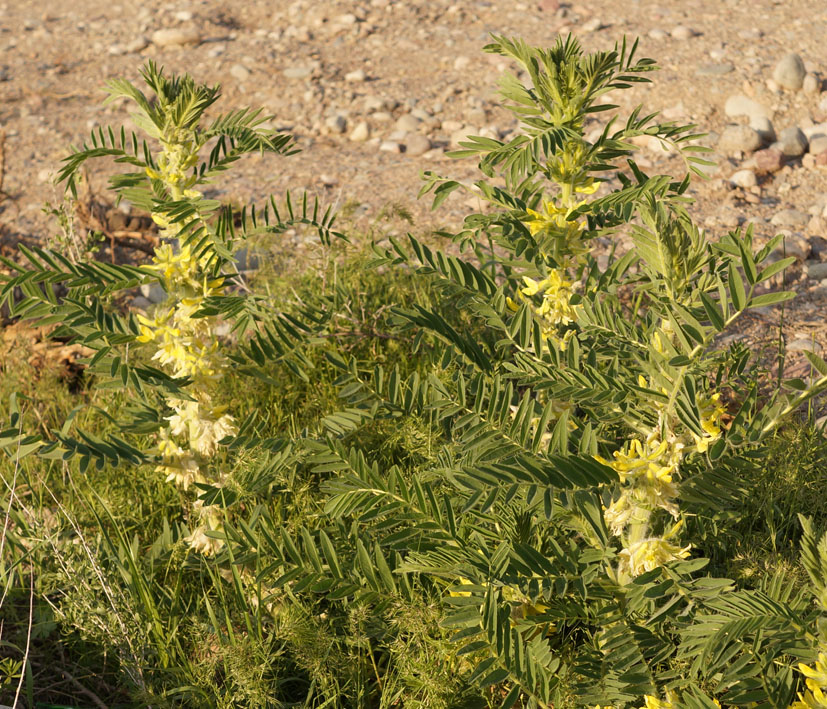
[562,247]
[187,345]
[196,242]
[648,469]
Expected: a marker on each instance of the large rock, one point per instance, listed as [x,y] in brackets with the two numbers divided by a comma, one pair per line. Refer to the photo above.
[789,72]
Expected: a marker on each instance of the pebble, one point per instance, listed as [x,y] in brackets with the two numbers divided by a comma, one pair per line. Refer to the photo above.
[462,134]
[792,141]
[714,69]
[815,131]
[811,84]
[240,72]
[593,25]
[657,33]
[818,144]
[740,105]
[768,161]
[46,175]
[337,123]
[764,127]
[789,72]
[136,45]
[739,138]
[682,32]
[416,144]
[300,71]
[816,270]
[374,103]
[175,37]
[356,77]
[361,132]
[744,178]
[461,63]
[408,123]
[183,16]
[140,303]
[789,217]
[390,146]
[153,292]
[802,344]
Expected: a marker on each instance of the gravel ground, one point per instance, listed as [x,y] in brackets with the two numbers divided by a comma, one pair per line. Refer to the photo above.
[376,92]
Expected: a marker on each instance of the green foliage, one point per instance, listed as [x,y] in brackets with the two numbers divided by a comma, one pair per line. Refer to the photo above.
[506,490]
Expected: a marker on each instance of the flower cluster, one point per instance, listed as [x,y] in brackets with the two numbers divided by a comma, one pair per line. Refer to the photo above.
[647,470]
[555,311]
[187,345]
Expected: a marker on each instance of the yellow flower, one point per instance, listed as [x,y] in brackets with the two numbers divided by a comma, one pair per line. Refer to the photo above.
[711,411]
[555,310]
[649,554]
[652,460]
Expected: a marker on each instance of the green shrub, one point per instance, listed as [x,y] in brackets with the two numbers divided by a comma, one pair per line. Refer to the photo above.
[510,506]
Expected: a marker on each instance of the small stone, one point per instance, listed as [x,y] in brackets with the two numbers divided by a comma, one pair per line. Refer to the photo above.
[140,303]
[792,141]
[328,180]
[153,292]
[744,178]
[814,131]
[390,146]
[46,175]
[416,144]
[797,246]
[382,116]
[714,69]
[356,77]
[789,217]
[739,138]
[239,72]
[408,123]
[789,72]
[461,63]
[764,127]
[461,135]
[361,132]
[821,158]
[374,103]
[183,16]
[593,25]
[768,161]
[657,33]
[815,270]
[808,161]
[336,124]
[175,37]
[298,71]
[347,19]
[803,344]
[682,32]
[818,144]
[811,84]
[136,45]
[740,105]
